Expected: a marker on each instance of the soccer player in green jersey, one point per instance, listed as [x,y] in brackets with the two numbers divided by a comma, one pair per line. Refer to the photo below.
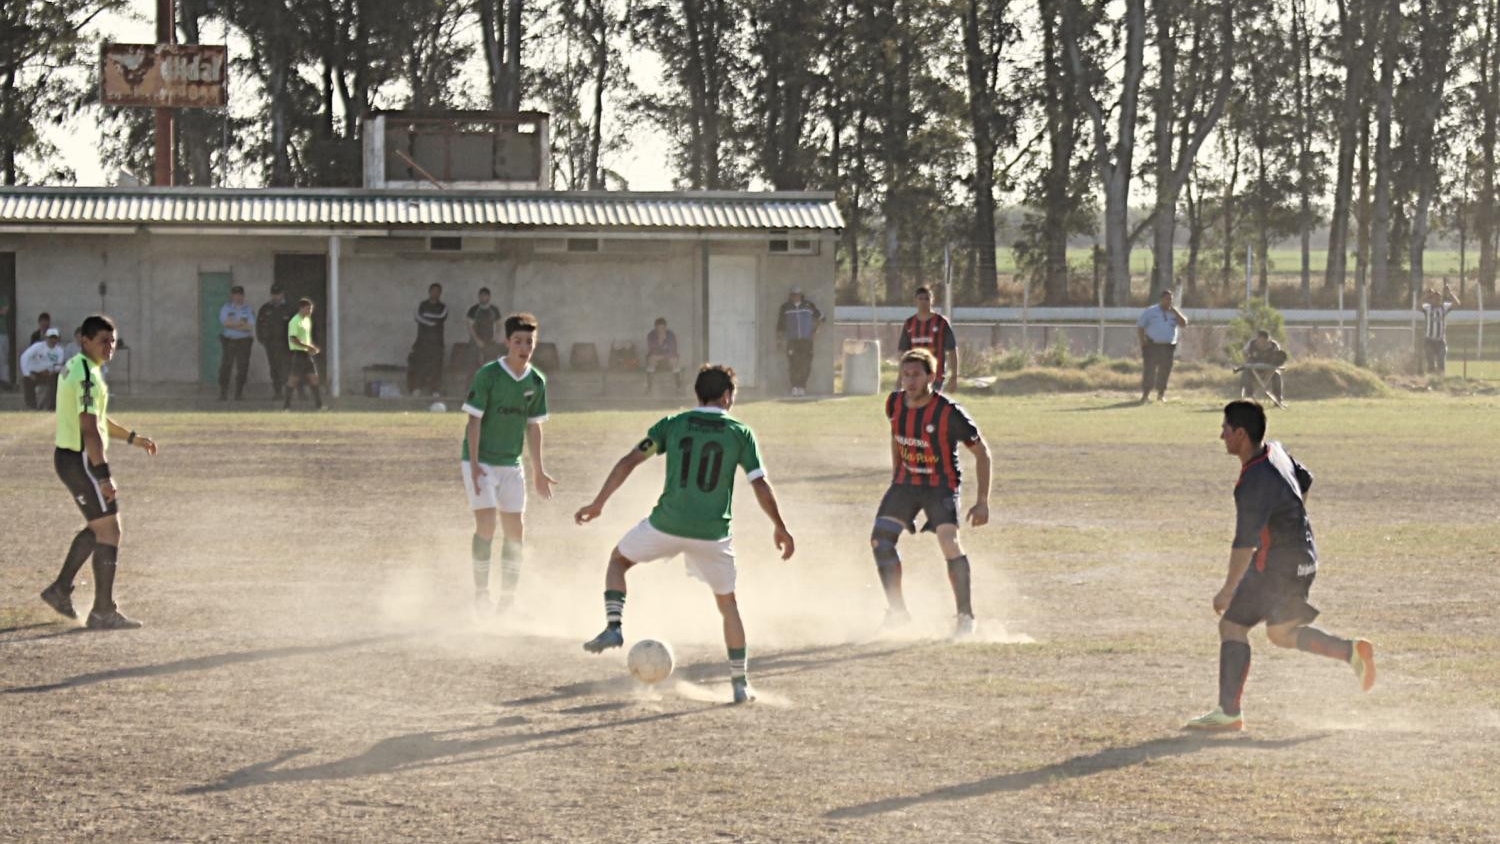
[507,405]
[83,433]
[703,446]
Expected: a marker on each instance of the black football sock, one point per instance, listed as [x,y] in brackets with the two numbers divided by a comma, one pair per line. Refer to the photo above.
[105,559]
[958,575]
[890,580]
[1234,669]
[317,396]
[614,608]
[82,547]
[479,549]
[1315,641]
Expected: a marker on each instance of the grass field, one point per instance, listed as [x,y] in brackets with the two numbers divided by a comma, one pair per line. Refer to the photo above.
[310,672]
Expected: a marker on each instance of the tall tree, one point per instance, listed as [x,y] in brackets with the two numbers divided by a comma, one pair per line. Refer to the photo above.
[785,49]
[989,31]
[501,30]
[1380,223]
[1114,157]
[1422,100]
[1358,35]
[1188,100]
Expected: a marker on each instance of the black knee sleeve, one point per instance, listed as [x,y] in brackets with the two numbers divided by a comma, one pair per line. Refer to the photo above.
[883,539]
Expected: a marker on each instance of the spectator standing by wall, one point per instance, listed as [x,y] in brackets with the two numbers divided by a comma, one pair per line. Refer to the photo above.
[481,320]
[41,363]
[426,365]
[796,328]
[271,329]
[43,322]
[1158,328]
[1435,308]
[661,348]
[235,339]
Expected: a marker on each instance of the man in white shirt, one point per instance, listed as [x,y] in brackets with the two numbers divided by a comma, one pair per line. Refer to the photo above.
[1158,329]
[40,365]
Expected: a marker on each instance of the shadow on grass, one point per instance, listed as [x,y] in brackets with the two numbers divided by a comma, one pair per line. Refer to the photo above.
[20,627]
[1109,759]
[787,662]
[415,751]
[200,663]
[1119,405]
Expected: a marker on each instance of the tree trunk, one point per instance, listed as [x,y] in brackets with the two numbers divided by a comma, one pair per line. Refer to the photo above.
[513,36]
[982,124]
[599,22]
[1354,51]
[1165,211]
[1381,218]
[1060,100]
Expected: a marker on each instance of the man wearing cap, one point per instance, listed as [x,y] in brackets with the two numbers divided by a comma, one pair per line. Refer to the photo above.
[795,328]
[236,337]
[40,365]
[271,330]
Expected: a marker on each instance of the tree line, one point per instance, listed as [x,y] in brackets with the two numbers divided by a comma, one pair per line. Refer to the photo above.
[1236,124]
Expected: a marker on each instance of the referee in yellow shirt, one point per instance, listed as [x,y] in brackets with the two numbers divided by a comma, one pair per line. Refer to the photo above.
[84,430]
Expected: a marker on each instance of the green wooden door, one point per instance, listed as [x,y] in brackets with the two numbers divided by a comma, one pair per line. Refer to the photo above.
[213,292]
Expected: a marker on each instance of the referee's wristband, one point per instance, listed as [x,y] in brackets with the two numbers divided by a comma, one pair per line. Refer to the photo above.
[100,471]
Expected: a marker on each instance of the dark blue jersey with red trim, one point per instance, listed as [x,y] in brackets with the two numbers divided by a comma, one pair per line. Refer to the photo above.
[926,440]
[1271,514]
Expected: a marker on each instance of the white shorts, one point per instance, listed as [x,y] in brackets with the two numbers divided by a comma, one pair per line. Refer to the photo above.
[501,487]
[709,560]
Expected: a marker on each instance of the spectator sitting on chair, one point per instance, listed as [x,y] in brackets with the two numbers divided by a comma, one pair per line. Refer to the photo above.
[661,348]
[426,364]
[41,363]
[1267,352]
[1435,307]
[481,319]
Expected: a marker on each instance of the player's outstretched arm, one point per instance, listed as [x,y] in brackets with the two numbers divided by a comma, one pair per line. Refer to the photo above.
[979,514]
[120,432]
[767,499]
[623,467]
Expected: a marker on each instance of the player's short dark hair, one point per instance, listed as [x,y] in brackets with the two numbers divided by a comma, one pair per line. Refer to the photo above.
[1248,416]
[304,302]
[237,289]
[923,291]
[714,380]
[921,356]
[519,322]
[95,323]
[661,320]
[484,291]
[432,285]
[44,315]
[1261,332]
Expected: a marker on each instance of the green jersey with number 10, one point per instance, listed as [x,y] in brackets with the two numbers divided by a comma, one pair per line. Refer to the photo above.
[702,447]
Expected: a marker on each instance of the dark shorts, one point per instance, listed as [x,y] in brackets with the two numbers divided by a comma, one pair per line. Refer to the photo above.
[302,365]
[902,503]
[72,468]
[1273,598]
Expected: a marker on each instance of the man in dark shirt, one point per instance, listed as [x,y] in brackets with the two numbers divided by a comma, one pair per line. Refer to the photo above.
[43,322]
[931,331]
[1271,567]
[481,319]
[926,430]
[270,330]
[796,328]
[426,363]
[661,350]
[1265,353]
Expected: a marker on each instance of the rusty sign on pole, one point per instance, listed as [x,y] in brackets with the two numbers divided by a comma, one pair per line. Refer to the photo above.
[164,75]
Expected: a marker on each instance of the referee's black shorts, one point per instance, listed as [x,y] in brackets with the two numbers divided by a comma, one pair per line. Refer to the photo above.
[1272,596]
[302,365]
[72,468]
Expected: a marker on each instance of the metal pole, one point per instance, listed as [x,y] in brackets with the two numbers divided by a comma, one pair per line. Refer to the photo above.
[1025,317]
[948,281]
[1341,314]
[1099,289]
[1248,263]
[1479,350]
[333,316]
[166,141]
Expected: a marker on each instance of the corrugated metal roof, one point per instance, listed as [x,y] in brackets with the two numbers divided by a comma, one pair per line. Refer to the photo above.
[425,209]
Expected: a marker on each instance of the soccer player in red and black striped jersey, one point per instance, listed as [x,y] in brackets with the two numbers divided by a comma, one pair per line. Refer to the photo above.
[930,331]
[1271,567]
[926,430]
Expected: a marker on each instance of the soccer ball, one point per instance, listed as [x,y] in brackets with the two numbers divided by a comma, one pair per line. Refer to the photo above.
[438,407]
[650,661]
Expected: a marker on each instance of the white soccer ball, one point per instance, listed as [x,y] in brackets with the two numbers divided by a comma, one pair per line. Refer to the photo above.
[650,661]
[438,407]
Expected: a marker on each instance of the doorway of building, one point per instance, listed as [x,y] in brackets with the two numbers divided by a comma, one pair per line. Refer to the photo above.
[213,293]
[305,276]
[10,347]
[733,335]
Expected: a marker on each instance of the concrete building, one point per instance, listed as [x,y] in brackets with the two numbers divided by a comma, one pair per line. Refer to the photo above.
[596,268]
